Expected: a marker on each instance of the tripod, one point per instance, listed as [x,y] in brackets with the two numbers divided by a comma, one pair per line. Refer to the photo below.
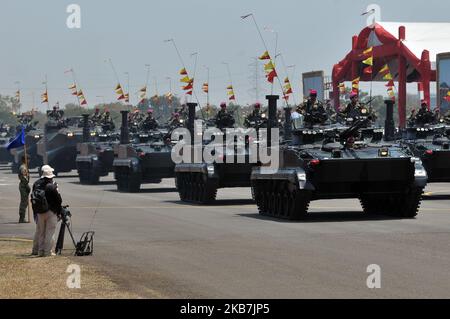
[85,247]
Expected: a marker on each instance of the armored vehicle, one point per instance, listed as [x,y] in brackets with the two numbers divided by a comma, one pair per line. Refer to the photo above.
[431,143]
[96,152]
[35,161]
[146,158]
[198,182]
[331,163]
[58,147]
[5,137]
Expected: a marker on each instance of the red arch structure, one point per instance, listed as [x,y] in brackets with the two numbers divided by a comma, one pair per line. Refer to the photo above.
[405,66]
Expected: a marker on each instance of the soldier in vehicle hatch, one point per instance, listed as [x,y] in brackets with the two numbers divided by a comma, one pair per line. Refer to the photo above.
[149,122]
[224,119]
[313,110]
[255,117]
[424,116]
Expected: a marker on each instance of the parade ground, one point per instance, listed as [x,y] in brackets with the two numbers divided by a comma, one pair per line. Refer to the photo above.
[152,245]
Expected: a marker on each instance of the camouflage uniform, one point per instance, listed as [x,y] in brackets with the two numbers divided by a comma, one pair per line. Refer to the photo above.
[24,190]
[96,118]
[224,119]
[313,111]
[149,123]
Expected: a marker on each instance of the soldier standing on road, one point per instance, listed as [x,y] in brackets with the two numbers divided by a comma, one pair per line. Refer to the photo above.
[24,188]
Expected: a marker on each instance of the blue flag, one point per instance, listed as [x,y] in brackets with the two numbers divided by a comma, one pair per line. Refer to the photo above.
[18,141]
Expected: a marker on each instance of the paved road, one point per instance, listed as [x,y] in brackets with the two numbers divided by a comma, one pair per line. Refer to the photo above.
[159,247]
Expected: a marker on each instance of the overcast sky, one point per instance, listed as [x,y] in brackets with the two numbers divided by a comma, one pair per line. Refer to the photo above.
[313,35]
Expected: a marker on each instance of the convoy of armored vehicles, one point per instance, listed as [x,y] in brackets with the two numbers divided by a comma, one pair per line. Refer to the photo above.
[387,170]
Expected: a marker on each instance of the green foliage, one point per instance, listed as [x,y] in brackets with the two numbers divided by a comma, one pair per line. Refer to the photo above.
[7,105]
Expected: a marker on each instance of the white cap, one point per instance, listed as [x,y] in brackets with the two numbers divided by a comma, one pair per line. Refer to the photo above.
[47,171]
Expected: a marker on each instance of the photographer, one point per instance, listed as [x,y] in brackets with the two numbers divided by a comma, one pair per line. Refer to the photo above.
[46,202]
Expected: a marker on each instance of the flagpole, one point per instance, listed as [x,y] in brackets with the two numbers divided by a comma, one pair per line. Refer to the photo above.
[77,88]
[18,95]
[26,165]
[264,43]
[46,92]
[184,66]
[231,83]
[287,74]
[195,68]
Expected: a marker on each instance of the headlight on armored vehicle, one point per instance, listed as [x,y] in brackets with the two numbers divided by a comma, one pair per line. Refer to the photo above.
[69,134]
[37,136]
[363,111]
[210,169]
[383,152]
[93,133]
[420,172]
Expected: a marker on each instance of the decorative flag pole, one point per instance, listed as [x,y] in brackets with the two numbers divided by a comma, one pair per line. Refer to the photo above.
[267,50]
[231,93]
[44,97]
[195,67]
[18,96]
[287,89]
[206,87]
[118,89]
[231,82]
[184,69]
[74,86]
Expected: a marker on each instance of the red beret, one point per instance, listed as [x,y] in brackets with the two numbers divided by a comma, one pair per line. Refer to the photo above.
[312,92]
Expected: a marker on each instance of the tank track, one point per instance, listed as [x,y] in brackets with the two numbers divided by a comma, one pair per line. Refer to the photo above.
[404,205]
[128,183]
[281,199]
[88,177]
[196,188]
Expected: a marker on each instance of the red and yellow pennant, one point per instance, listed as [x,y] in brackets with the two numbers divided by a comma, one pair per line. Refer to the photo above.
[205,87]
[355,85]
[142,94]
[119,92]
[265,56]
[447,97]
[183,71]
[368,61]
[44,97]
[287,88]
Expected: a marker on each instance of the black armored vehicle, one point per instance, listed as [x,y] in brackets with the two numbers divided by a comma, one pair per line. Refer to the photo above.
[58,147]
[145,158]
[31,140]
[33,135]
[96,153]
[329,163]
[431,144]
[198,181]
[5,137]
